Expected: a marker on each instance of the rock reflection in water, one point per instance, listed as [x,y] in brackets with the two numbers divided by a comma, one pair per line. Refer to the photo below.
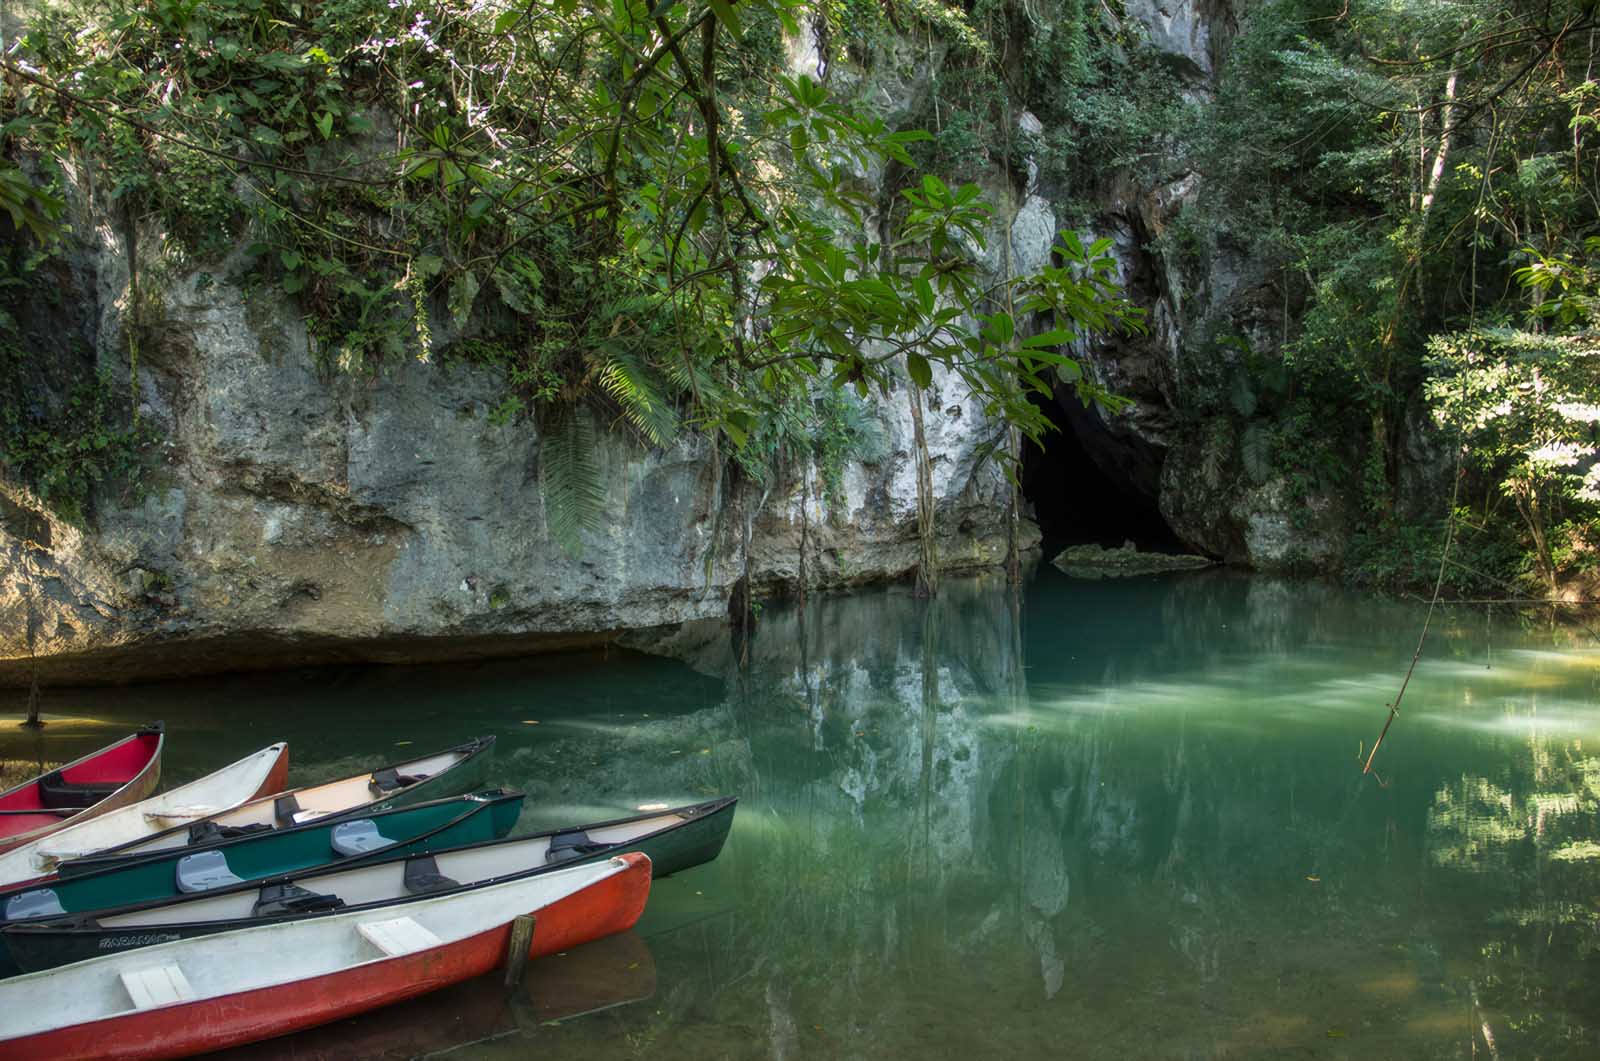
[1109,819]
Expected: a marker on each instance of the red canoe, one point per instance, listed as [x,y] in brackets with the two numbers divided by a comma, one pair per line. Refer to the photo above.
[112,777]
[190,996]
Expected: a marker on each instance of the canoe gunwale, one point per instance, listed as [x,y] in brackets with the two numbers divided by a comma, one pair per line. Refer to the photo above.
[31,862]
[606,903]
[86,924]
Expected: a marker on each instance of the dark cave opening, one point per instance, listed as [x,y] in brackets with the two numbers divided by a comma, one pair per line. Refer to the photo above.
[1088,485]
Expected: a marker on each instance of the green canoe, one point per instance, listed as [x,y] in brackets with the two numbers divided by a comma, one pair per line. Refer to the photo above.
[445,773]
[674,839]
[244,862]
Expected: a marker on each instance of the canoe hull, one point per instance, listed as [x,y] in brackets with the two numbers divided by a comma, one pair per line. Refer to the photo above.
[464,775]
[605,908]
[260,774]
[697,840]
[151,881]
[136,788]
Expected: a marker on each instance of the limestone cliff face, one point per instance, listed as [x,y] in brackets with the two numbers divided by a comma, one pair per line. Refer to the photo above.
[299,515]
[303,516]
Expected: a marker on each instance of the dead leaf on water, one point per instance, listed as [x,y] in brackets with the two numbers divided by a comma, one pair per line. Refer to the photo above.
[1314,880]
[1336,1033]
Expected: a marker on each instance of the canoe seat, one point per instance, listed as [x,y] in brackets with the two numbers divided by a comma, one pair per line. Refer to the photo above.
[567,846]
[284,809]
[203,871]
[212,833]
[276,899]
[38,902]
[357,837]
[160,986]
[423,876]
[398,937]
[56,793]
[391,780]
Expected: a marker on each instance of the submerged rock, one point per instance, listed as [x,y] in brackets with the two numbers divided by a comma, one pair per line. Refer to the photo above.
[1093,561]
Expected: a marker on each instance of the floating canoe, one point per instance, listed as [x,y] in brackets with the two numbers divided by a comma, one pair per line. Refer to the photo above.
[240,864]
[682,838]
[112,777]
[447,773]
[190,996]
[260,774]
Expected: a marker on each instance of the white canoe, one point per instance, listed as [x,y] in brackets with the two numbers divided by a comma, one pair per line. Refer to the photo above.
[175,999]
[447,773]
[260,774]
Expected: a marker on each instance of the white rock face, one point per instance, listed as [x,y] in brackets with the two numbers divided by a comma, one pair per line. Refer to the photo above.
[303,517]
[1179,29]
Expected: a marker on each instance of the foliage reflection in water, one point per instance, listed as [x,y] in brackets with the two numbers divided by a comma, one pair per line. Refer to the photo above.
[1120,819]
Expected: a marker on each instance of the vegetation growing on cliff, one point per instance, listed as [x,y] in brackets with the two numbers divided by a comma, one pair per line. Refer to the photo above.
[633,207]
[1420,178]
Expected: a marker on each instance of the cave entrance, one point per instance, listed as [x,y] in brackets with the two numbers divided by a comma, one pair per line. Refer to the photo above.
[1090,486]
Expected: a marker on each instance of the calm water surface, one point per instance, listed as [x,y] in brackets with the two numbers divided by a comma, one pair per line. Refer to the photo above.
[1123,819]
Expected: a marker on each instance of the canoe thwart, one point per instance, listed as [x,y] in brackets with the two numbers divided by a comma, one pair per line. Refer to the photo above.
[160,986]
[398,936]
[203,871]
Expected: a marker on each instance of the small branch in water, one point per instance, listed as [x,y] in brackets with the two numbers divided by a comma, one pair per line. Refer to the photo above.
[1483,1023]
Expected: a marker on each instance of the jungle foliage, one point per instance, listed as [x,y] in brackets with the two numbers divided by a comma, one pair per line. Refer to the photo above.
[631,207]
[1420,178]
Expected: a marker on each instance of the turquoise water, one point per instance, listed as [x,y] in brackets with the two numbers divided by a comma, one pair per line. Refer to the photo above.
[1114,819]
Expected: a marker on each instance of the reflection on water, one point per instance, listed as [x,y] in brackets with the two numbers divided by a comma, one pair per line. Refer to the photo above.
[1120,819]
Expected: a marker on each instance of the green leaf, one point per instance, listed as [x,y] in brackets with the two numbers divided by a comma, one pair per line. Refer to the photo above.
[569,477]
[325,124]
[1242,396]
[294,283]
[919,370]
[290,259]
[1049,340]
[507,19]
[1255,452]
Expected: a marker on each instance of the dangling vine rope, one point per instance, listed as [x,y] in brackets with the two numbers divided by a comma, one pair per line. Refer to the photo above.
[1438,586]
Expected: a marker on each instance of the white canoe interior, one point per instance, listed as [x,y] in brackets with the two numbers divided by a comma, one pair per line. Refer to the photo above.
[311,802]
[218,791]
[386,882]
[254,958]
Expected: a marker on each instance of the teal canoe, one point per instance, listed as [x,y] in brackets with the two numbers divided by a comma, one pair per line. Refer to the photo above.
[675,840]
[243,862]
[450,772]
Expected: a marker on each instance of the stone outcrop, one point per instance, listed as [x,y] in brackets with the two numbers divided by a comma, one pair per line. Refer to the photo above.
[305,515]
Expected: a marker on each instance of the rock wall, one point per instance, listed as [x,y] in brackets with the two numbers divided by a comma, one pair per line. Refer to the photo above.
[302,516]
[298,516]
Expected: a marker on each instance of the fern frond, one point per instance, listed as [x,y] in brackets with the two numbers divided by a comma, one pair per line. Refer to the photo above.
[569,477]
[632,385]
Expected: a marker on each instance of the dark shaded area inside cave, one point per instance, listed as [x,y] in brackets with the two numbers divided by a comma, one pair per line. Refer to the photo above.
[1076,500]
